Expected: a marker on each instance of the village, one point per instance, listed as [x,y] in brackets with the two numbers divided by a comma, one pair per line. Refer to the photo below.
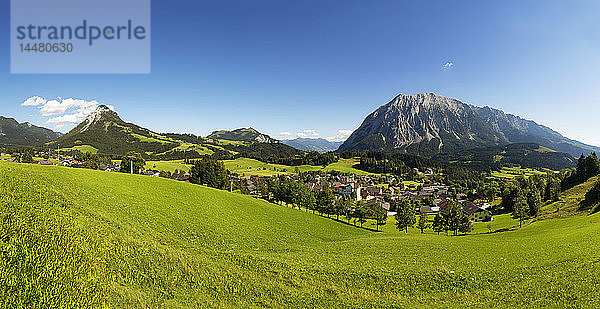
[372,190]
[380,190]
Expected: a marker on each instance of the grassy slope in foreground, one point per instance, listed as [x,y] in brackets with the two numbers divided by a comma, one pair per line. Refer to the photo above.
[72,236]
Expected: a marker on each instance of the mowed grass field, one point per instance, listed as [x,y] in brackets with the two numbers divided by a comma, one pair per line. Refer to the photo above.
[252,167]
[83,238]
[512,172]
[167,166]
[82,148]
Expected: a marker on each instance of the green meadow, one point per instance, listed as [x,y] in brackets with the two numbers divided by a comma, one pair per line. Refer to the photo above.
[82,148]
[512,172]
[84,238]
[252,167]
[167,166]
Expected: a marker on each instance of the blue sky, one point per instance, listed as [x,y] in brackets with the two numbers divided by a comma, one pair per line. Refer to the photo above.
[291,66]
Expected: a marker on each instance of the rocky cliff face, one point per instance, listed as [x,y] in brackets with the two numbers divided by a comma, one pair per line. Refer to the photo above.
[426,124]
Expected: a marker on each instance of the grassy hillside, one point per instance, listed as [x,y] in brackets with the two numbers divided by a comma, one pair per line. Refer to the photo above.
[571,202]
[74,237]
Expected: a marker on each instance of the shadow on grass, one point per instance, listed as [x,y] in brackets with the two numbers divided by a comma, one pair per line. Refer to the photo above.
[328,217]
[589,205]
[348,223]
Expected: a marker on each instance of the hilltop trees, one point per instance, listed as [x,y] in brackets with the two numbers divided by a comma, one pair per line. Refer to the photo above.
[209,172]
[593,195]
[132,159]
[464,223]
[528,194]
[586,167]
[380,215]
[307,198]
[341,207]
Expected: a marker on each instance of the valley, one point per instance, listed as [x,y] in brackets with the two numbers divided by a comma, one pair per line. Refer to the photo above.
[142,241]
[117,215]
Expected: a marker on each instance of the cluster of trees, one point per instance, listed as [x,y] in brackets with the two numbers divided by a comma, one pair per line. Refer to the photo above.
[487,159]
[594,194]
[587,167]
[92,160]
[452,220]
[323,202]
[275,153]
[209,172]
[132,162]
[463,178]
[310,158]
[524,196]
[25,155]
[398,163]
[405,213]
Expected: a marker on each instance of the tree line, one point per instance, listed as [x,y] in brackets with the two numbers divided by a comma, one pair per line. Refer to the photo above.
[452,219]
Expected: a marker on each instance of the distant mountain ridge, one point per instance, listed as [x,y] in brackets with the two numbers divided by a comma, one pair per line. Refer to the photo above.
[313,144]
[108,134]
[15,134]
[427,124]
[242,135]
[529,155]
[519,130]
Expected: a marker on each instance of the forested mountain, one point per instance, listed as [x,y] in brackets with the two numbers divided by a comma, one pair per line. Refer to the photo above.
[242,135]
[523,154]
[104,130]
[15,134]
[313,144]
[427,124]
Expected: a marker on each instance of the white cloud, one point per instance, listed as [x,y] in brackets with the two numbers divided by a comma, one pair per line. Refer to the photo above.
[448,65]
[55,107]
[68,111]
[308,134]
[341,136]
[34,101]
[61,121]
[285,134]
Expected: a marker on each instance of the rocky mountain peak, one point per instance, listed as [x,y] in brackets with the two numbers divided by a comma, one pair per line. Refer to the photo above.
[101,114]
[433,121]
[427,123]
